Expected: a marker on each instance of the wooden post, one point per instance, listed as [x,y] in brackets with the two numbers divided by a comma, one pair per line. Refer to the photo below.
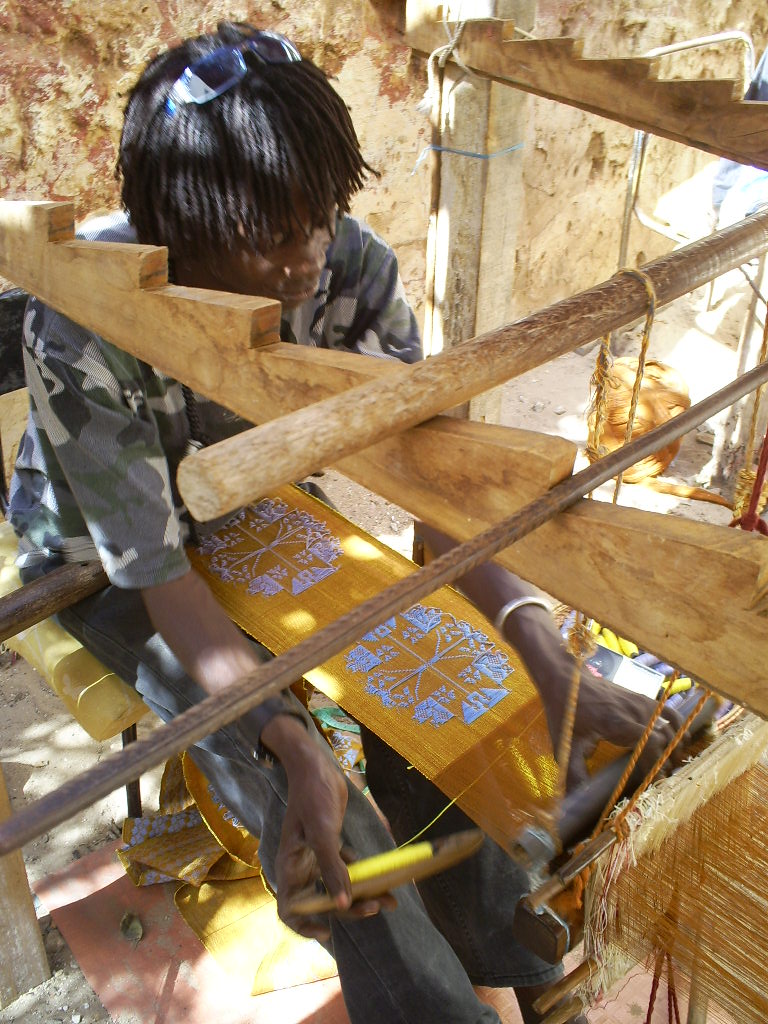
[565,986]
[508,111]
[697,1005]
[23,963]
[455,227]
[473,208]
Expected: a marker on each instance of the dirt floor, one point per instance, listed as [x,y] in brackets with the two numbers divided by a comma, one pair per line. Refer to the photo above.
[40,746]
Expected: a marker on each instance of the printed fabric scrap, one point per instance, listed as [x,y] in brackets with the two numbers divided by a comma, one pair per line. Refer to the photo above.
[436,680]
[197,841]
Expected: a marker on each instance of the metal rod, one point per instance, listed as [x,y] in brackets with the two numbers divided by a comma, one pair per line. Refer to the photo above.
[267,680]
[719,37]
[563,877]
[132,788]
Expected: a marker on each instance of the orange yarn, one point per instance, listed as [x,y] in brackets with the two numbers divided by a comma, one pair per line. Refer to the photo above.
[663,394]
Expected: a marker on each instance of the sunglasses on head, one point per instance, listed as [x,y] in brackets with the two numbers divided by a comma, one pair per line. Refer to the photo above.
[222,68]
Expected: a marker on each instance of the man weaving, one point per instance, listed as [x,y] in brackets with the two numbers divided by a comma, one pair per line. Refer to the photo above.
[239,157]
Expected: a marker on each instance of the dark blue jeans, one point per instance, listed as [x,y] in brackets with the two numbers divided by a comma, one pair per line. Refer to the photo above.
[413,965]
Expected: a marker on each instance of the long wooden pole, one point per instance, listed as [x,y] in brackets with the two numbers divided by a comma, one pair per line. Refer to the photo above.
[243,468]
[267,680]
[23,962]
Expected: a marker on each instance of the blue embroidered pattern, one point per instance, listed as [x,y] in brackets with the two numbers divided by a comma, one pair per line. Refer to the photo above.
[423,661]
[469,670]
[299,552]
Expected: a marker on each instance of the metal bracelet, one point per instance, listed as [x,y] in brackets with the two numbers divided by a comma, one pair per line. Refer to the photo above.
[519,602]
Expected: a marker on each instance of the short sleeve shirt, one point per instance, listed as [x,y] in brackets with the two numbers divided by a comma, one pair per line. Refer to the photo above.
[95,473]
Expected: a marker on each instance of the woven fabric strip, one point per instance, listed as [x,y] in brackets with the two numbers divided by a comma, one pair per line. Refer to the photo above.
[436,680]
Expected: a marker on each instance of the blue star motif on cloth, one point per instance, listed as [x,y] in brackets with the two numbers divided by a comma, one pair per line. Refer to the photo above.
[427,660]
[300,554]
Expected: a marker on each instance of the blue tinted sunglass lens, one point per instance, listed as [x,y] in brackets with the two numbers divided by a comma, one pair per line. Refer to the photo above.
[220,70]
[207,78]
[273,48]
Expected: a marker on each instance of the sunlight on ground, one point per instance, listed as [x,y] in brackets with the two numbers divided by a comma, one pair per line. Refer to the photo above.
[687,207]
[401,542]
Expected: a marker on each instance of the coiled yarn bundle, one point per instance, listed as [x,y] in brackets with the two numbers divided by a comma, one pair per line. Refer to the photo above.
[663,394]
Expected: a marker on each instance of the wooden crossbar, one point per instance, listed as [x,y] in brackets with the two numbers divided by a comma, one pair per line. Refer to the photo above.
[224,346]
[222,477]
[706,114]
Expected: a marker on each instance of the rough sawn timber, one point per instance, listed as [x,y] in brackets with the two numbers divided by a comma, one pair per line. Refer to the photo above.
[707,114]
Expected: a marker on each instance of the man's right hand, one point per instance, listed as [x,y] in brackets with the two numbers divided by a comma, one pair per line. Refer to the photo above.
[310,843]
[311,838]
[216,654]
[604,710]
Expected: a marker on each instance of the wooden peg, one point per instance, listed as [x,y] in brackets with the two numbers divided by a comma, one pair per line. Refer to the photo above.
[565,986]
[564,1013]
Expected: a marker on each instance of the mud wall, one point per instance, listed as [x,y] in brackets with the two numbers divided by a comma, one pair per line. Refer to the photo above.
[65,67]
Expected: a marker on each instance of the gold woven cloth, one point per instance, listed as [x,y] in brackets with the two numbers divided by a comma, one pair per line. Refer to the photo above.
[435,681]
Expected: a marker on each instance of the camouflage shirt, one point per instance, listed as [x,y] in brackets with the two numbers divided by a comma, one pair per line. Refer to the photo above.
[95,474]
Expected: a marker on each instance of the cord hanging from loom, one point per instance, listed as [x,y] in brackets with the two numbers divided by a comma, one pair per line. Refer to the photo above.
[672,1003]
[577,640]
[624,385]
[750,520]
[599,416]
[753,483]
[595,450]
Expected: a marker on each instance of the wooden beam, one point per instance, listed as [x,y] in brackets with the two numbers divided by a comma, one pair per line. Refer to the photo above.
[706,114]
[509,467]
[47,595]
[121,292]
[691,592]
[249,465]
[224,346]
[23,963]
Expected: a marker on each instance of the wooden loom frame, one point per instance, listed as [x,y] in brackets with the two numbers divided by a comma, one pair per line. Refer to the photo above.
[137,291]
[49,269]
[135,303]
[136,275]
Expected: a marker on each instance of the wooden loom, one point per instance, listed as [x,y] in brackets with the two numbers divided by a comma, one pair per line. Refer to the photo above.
[708,114]
[416,465]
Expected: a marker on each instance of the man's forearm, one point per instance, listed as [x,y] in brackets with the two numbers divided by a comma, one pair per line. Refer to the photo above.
[211,648]
[531,629]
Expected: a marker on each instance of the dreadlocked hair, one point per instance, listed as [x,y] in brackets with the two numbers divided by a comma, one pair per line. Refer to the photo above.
[205,175]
